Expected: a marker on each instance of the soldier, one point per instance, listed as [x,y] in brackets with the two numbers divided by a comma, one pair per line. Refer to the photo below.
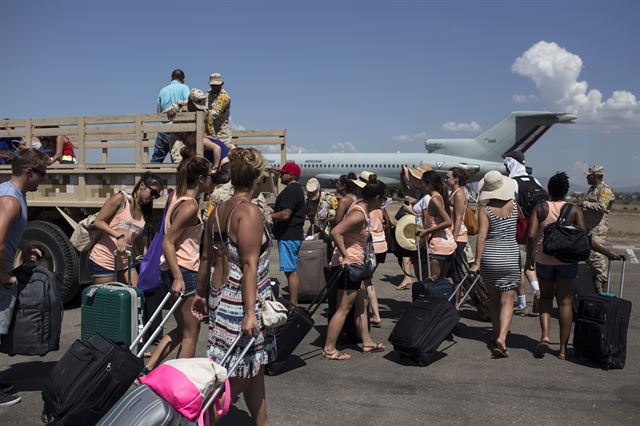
[197,101]
[219,105]
[596,206]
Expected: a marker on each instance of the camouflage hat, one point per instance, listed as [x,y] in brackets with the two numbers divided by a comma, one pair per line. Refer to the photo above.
[595,170]
[199,99]
[215,79]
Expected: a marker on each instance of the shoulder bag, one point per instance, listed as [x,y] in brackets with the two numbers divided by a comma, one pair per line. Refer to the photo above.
[566,242]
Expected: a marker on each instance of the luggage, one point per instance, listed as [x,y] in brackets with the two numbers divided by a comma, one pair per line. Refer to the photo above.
[429,288]
[37,316]
[583,286]
[141,406]
[299,323]
[601,325]
[114,310]
[92,375]
[312,259]
[422,328]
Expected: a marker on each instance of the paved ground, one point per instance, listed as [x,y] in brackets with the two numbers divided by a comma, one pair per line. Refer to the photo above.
[464,387]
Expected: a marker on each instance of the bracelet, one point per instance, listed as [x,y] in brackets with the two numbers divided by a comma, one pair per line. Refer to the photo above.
[120,236]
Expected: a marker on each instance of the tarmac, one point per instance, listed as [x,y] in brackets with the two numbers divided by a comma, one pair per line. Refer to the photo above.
[465,386]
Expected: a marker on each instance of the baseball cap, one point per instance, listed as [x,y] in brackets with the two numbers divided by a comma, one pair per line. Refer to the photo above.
[199,99]
[595,170]
[216,79]
[291,168]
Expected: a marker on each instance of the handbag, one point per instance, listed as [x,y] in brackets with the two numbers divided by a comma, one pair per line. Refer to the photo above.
[274,313]
[471,221]
[522,227]
[565,242]
[84,236]
[149,275]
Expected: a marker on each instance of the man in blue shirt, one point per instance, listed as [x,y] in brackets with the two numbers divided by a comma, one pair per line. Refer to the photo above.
[28,168]
[174,92]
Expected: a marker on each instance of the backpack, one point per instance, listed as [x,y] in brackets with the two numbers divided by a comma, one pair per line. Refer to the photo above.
[84,236]
[565,242]
[530,194]
[37,317]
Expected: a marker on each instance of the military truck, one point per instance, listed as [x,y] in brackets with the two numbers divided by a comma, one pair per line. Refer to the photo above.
[112,154]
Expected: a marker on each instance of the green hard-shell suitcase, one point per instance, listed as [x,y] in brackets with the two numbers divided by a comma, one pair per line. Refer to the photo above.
[114,310]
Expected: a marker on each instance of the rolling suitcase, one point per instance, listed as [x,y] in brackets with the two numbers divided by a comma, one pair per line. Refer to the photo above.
[312,259]
[92,375]
[290,334]
[114,310]
[423,327]
[141,406]
[583,286]
[601,325]
[430,288]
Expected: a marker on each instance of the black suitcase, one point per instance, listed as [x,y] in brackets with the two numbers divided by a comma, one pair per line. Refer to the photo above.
[583,286]
[601,325]
[290,334]
[422,328]
[91,376]
[441,289]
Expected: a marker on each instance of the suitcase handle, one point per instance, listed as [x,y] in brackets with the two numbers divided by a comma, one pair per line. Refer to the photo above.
[623,259]
[464,296]
[162,323]
[317,301]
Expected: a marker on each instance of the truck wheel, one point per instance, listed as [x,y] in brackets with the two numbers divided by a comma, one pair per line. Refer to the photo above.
[58,255]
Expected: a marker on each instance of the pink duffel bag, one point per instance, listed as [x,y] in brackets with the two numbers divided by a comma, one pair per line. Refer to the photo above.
[186,383]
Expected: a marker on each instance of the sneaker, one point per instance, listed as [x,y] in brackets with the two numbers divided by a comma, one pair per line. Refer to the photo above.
[6,387]
[520,310]
[536,303]
[7,399]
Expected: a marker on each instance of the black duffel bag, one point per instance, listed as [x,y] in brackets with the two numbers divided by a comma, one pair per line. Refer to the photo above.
[566,242]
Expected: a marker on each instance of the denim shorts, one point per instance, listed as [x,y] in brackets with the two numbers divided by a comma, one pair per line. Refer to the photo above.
[190,280]
[551,272]
[288,251]
[98,271]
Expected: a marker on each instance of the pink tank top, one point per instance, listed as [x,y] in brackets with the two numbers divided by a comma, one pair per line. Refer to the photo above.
[353,241]
[187,245]
[377,231]
[463,237]
[441,242]
[122,223]
[554,208]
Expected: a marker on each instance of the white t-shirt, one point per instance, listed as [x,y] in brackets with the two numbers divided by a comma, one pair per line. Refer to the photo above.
[422,204]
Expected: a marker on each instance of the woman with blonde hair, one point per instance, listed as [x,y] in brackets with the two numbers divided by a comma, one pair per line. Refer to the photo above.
[181,254]
[237,229]
[497,253]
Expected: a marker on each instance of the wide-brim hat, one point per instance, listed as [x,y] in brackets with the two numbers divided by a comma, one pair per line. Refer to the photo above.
[406,229]
[419,171]
[364,178]
[199,99]
[495,186]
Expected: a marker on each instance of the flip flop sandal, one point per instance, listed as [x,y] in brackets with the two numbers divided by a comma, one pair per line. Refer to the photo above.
[541,349]
[500,353]
[369,349]
[404,286]
[335,356]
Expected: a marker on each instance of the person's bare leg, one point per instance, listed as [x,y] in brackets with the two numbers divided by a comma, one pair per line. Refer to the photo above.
[237,386]
[494,311]
[294,284]
[506,315]
[406,268]
[104,280]
[362,321]
[190,330]
[255,398]
[168,342]
[547,292]
[373,300]
[564,297]
[346,299]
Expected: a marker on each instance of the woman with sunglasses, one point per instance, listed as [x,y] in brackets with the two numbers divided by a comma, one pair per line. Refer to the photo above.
[120,223]
[179,265]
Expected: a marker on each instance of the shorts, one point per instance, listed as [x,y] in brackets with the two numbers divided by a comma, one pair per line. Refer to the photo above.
[551,272]
[288,250]
[343,282]
[190,280]
[381,257]
[98,271]
[442,257]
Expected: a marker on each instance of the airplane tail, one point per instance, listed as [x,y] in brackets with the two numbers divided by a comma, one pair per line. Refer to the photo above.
[517,132]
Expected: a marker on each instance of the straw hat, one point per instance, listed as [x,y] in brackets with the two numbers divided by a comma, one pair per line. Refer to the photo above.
[363,179]
[406,232]
[419,171]
[495,185]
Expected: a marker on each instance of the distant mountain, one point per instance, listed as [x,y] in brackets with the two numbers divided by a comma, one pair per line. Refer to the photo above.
[627,189]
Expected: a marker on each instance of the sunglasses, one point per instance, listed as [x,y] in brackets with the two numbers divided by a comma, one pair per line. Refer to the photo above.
[154,194]
[41,173]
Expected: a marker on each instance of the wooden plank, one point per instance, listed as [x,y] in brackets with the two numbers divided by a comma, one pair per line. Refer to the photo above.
[109,130]
[6,133]
[28,132]
[138,147]
[121,137]
[58,121]
[80,140]
[105,151]
[256,141]
[109,119]
[67,131]
[110,144]
[12,122]
[245,133]
[181,116]
[168,128]
[199,132]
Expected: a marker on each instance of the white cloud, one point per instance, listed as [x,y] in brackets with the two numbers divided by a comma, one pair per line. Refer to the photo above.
[343,147]
[275,149]
[235,126]
[556,71]
[523,99]
[452,126]
[416,137]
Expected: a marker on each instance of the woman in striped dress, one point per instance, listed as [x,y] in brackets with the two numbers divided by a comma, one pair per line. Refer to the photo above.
[247,246]
[497,253]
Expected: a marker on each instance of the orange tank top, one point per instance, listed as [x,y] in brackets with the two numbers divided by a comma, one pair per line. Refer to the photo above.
[122,223]
[377,231]
[187,245]
[441,242]
[354,242]
[554,208]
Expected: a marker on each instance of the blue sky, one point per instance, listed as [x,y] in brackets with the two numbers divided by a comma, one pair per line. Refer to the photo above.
[365,76]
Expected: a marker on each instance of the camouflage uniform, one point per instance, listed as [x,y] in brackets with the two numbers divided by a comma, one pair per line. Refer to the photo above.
[198,98]
[218,118]
[596,206]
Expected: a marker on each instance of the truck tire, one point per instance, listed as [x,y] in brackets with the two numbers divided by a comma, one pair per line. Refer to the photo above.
[58,255]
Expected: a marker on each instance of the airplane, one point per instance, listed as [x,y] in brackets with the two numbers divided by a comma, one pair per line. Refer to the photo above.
[518,131]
